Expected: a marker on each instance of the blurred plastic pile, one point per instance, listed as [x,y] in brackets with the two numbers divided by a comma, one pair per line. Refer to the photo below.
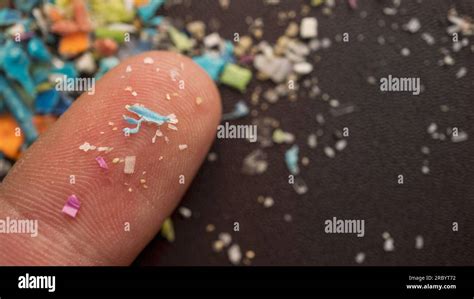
[41,41]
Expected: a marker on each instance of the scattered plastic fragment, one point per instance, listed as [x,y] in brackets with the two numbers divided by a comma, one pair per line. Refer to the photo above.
[102,162]
[167,230]
[360,258]
[279,136]
[419,242]
[183,147]
[309,27]
[72,206]
[300,186]
[388,243]
[291,159]
[236,77]
[185,212]
[146,115]
[240,110]
[129,166]
[255,163]
[234,253]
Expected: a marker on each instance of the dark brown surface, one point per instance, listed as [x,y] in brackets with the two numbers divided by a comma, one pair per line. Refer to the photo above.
[387,132]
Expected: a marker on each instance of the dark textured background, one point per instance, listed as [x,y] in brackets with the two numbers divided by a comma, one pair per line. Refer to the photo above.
[386,134]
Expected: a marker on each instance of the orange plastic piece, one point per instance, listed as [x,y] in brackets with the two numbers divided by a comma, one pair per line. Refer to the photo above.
[73,44]
[81,16]
[10,143]
[54,14]
[139,3]
[43,122]
[64,27]
[105,46]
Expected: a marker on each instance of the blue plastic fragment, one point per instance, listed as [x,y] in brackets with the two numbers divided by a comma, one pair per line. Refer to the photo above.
[68,69]
[15,64]
[291,159]
[39,73]
[19,110]
[25,5]
[228,52]
[240,110]
[9,16]
[146,115]
[213,65]
[46,101]
[155,21]
[38,50]
[105,65]
[64,103]
[146,12]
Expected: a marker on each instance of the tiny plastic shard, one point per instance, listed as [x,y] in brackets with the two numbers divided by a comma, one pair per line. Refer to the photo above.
[291,159]
[148,60]
[116,160]
[340,145]
[360,258]
[268,202]
[234,254]
[172,127]
[300,186]
[185,212]
[128,69]
[389,242]
[329,152]
[279,137]
[240,110]
[419,242]
[129,167]
[255,163]
[226,238]
[183,147]
[167,230]
[72,206]
[101,161]
[309,27]
[198,101]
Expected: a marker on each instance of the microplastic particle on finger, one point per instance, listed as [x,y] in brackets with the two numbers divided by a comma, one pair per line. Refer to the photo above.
[129,166]
[172,127]
[198,101]
[116,160]
[148,60]
[101,162]
[183,147]
[167,230]
[72,206]
[129,69]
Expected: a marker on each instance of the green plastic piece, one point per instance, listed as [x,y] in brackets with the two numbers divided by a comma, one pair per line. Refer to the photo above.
[116,35]
[236,76]
[111,11]
[180,40]
[167,230]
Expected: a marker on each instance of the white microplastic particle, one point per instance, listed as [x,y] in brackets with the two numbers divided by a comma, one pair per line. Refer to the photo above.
[183,147]
[309,27]
[360,257]
[148,60]
[234,253]
[129,167]
[419,242]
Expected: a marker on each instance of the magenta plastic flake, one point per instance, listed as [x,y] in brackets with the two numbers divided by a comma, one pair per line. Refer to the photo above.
[102,162]
[72,206]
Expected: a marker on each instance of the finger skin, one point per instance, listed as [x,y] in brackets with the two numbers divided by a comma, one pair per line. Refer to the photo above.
[39,184]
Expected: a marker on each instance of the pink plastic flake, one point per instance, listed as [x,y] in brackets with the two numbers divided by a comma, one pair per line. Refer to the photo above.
[72,206]
[102,162]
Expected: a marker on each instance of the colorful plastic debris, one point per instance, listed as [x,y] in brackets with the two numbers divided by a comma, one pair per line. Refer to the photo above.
[72,206]
[129,166]
[236,76]
[101,161]
[291,159]
[145,115]
[167,230]
[240,110]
